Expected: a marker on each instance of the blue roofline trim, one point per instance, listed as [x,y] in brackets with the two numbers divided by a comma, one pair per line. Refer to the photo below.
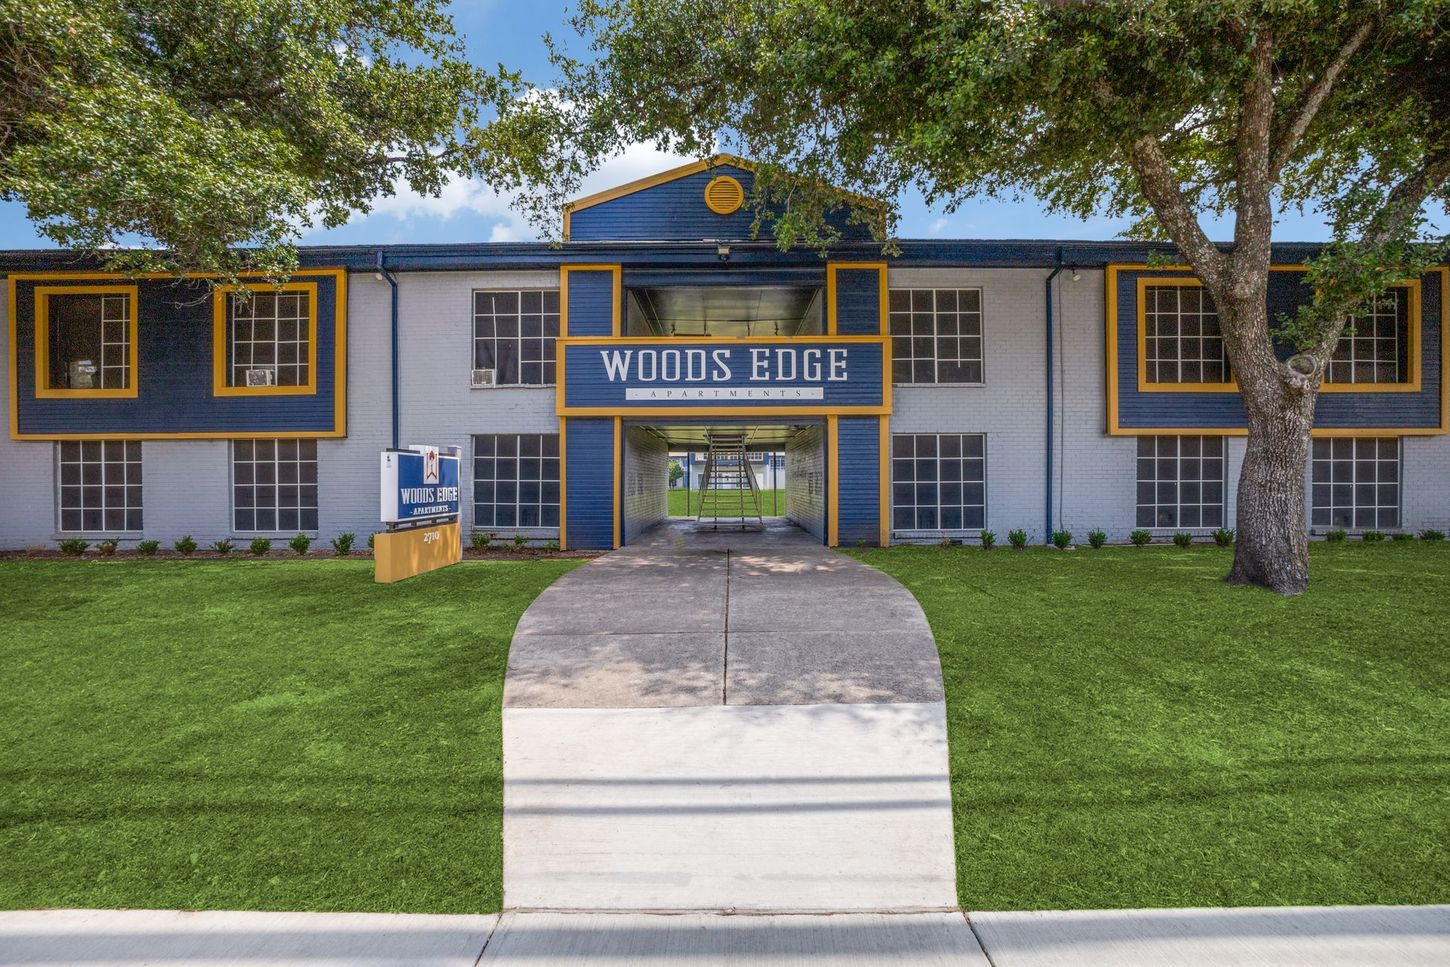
[917,253]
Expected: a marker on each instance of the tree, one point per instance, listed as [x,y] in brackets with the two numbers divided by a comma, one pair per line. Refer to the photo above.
[170,134]
[1165,110]
[676,471]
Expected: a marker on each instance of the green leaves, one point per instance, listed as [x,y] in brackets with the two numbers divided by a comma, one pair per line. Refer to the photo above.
[204,135]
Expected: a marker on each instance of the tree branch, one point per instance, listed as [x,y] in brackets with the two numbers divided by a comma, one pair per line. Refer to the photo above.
[1315,96]
[1406,198]
[1253,176]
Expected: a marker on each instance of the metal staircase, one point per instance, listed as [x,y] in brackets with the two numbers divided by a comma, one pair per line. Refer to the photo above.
[727,490]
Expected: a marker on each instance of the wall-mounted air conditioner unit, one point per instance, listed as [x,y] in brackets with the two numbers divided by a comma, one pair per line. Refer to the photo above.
[482,379]
[261,377]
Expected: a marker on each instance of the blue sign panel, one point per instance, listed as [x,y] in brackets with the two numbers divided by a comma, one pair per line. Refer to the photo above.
[420,484]
[830,375]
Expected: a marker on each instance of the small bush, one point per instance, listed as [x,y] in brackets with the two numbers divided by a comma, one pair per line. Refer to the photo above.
[260,546]
[1224,537]
[479,541]
[1017,538]
[107,547]
[1097,538]
[74,546]
[1402,536]
[989,540]
[372,539]
[148,548]
[1062,540]
[945,541]
[860,542]
[1432,535]
[342,543]
[519,542]
[1335,536]
[1140,538]
[222,547]
[1182,539]
[552,547]
[186,545]
[300,543]
[1372,537]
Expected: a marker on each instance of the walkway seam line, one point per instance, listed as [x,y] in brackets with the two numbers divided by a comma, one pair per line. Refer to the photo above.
[980,942]
[725,657]
[498,922]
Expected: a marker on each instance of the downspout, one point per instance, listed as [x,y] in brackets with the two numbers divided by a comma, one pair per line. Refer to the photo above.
[387,275]
[1047,505]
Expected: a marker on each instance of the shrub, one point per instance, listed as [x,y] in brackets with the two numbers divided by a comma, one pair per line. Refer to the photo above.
[260,546]
[553,547]
[1182,539]
[519,542]
[1062,540]
[300,543]
[1402,536]
[186,545]
[1335,536]
[479,540]
[1140,538]
[74,546]
[945,541]
[1372,537]
[342,543]
[222,547]
[1097,538]
[372,540]
[106,547]
[1432,535]
[1017,538]
[989,540]
[148,548]
[1224,537]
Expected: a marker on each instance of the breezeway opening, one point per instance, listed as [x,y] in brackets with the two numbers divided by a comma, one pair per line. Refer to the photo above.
[756,473]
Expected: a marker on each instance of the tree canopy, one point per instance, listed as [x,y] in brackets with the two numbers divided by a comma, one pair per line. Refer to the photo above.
[203,135]
[1166,111]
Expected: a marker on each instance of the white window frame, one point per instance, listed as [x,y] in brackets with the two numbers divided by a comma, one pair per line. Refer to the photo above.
[243,312]
[276,485]
[921,531]
[108,468]
[1348,449]
[1178,482]
[936,335]
[518,481]
[1152,344]
[518,340]
[1350,343]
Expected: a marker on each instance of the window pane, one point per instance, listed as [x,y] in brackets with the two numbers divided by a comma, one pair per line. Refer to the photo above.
[99,486]
[282,497]
[1356,482]
[1179,482]
[269,333]
[513,334]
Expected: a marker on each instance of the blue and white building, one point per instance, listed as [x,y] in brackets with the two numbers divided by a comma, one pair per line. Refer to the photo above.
[954,387]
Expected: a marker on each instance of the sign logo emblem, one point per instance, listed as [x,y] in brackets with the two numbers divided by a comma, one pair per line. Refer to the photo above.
[430,465]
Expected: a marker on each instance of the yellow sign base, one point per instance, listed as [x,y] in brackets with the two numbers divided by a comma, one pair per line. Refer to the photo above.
[408,553]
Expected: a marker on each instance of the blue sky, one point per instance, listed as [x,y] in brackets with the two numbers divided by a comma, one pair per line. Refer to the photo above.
[512,31]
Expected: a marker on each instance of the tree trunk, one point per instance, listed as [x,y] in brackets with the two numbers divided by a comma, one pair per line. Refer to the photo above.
[1271,547]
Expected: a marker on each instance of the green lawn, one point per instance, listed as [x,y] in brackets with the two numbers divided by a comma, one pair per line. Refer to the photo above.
[684,503]
[254,734]
[1127,730]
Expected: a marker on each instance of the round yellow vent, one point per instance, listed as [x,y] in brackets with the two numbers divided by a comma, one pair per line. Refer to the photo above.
[723,195]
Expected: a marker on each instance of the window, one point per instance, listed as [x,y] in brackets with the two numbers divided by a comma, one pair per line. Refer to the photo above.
[266,342]
[938,481]
[1181,338]
[100,485]
[1180,481]
[1378,349]
[936,335]
[516,480]
[513,335]
[85,341]
[274,486]
[1355,482]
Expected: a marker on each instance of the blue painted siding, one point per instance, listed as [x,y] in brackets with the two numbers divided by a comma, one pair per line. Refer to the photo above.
[858,302]
[590,460]
[591,303]
[1147,411]
[675,211]
[858,500]
[174,378]
[587,384]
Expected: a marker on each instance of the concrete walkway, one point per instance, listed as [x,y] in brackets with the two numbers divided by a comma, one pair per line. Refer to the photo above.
[1265,937]
[726,721]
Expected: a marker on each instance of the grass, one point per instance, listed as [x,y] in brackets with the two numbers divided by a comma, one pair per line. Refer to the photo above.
[684,503]
[264,735]
[1127,730]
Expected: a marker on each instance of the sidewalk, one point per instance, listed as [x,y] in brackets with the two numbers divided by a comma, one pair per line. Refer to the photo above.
[1264,937]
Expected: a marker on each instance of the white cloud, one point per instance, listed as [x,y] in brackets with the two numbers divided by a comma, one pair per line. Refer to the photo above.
[938,225]
[471,198]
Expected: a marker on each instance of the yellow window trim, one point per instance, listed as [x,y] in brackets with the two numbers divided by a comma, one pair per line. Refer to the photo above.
[1327,386]
[43,389]
[220,303]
